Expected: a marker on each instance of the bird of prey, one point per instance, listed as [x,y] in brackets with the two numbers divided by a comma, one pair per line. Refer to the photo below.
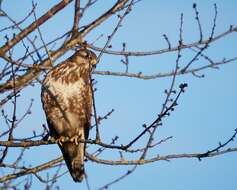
[67,101]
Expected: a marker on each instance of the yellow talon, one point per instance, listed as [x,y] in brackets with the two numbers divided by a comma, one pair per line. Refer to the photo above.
[61,140]
[74,139]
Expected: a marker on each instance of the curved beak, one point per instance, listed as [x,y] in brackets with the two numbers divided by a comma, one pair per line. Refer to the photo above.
[94,62]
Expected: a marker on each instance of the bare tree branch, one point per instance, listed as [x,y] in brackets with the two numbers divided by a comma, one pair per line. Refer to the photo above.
[33,170]
[33,26]
[232,29]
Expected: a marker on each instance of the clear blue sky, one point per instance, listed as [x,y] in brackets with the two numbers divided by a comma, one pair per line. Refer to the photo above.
[206,113]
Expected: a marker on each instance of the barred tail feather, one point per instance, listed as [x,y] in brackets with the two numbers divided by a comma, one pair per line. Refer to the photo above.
[74,157]
[77,165]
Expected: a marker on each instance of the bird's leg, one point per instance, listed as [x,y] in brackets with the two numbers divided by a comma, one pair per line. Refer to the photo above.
[75,139]
[61,140]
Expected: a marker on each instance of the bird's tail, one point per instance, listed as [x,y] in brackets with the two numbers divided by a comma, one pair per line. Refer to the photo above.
[74,157]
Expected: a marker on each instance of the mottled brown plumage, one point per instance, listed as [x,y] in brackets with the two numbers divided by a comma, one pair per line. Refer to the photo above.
[67,102]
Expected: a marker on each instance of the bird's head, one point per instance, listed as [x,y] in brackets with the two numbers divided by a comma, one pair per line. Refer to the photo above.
[88,55]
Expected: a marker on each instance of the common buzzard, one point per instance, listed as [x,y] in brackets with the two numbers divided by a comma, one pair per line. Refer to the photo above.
[67,102]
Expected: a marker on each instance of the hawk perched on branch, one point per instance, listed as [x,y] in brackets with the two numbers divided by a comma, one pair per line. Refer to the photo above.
[67,102]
